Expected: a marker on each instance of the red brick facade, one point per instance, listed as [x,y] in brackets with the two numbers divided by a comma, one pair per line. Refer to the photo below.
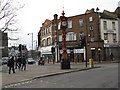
[91,32]
[89,27]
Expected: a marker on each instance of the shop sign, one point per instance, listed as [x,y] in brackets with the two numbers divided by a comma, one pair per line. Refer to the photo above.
[78,50]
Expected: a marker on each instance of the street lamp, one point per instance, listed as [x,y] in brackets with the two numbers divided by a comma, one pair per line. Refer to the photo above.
[35,43]
[32,42]
[56,35]
[99,49]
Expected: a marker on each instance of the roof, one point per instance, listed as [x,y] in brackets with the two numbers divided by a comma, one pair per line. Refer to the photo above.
[105,16]
[46,23]
[111,14]
[117,11]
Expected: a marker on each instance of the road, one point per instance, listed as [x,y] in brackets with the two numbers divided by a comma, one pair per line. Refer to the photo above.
[104,77]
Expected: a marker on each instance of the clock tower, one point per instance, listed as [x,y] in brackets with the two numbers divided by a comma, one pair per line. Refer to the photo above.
[65,64]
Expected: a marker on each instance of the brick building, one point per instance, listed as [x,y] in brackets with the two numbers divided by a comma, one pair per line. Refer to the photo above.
[84,25]
[78,26]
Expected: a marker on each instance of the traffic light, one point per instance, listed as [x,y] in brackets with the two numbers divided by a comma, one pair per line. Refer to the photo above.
[20,47]
[83,41]
[52,49]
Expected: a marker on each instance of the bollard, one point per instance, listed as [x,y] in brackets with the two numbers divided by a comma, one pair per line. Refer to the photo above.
[91,63]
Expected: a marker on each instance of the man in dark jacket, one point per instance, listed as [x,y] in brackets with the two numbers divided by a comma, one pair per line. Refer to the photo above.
[11,65]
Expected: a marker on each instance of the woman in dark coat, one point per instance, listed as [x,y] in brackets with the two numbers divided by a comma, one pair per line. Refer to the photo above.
[11,65]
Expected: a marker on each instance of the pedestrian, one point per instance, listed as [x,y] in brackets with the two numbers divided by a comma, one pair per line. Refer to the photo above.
[111,57]
[18,62]
[11,65]
[23,63]
[54,58]
[76,59]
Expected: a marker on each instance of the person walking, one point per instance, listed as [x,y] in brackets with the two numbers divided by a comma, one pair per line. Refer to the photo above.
[16,62]
[23,62]
[11,65]
[111,57]
[19,62]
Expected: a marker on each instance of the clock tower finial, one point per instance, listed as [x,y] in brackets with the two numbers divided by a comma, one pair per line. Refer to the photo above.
[63,11]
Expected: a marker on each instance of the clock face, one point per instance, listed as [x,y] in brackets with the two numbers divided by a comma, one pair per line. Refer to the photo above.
[64,23]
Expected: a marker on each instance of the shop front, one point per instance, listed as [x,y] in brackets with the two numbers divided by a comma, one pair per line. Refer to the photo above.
[46,52]
[74,54]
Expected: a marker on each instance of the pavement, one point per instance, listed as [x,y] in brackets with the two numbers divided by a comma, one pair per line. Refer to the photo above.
[38,71]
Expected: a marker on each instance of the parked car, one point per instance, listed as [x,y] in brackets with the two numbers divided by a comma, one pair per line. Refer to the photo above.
[41,61]
[31,61]
[4,60]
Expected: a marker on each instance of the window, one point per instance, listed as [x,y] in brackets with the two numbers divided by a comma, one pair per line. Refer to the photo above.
[113,25]
[92,39]
[105,36]
[91,27]
[114,37]
[47,30]
[59,24]
[69,23]
[44,42]
[48,41]
[81,34]
[41,32]
[90,19]
[60,37]
[105,25]
[71,36]
[44,32]
[81,22]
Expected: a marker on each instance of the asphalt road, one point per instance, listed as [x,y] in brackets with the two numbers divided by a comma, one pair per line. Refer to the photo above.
[104,77]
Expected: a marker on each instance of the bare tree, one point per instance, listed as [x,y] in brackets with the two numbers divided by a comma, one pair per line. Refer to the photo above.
[8,13]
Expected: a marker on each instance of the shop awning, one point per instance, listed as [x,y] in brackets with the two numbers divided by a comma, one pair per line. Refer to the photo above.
[45,50]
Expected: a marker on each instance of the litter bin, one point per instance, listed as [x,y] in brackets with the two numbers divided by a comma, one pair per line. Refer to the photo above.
[91,63]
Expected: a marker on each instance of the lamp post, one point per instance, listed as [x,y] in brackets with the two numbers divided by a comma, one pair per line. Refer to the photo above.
[56,38]
[65,64]
[36,44]
[32,42]
[99,49]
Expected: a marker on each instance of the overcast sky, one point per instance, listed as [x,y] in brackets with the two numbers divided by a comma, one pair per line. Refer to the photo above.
[35,12]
